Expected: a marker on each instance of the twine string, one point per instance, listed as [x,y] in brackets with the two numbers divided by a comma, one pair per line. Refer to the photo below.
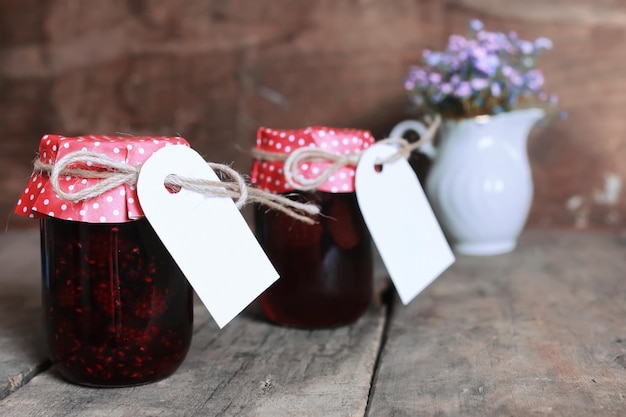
[112,174]
[293,160]
[297,180]
[406,148]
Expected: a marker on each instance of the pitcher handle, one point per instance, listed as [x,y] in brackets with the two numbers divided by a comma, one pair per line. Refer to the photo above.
[420,128]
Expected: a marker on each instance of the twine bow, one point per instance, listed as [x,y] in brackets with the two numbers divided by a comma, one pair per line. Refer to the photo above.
[112,174]
[298,181]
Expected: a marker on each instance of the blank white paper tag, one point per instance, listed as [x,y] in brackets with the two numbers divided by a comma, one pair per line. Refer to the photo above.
[207,236]
[401,222]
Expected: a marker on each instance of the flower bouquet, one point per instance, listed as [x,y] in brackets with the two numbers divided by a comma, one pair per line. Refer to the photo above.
[485,73]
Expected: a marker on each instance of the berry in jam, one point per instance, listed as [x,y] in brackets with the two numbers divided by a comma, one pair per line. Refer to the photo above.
[117,309]
[326,274]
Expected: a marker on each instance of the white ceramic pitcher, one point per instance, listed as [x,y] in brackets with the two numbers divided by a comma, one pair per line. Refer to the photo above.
[480,184]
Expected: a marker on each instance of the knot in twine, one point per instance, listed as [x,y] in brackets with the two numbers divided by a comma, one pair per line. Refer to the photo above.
[298,181]
[112,174]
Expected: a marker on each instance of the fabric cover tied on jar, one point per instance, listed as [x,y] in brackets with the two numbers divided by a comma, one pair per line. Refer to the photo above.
[117,205]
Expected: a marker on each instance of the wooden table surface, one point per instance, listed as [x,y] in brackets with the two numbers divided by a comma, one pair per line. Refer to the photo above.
[540,331]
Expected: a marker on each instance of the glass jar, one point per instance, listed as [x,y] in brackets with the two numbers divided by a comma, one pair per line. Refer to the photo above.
[326,272]
[117,309]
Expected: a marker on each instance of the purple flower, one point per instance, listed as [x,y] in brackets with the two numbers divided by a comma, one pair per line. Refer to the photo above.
[445,88]
[484,73]
[415,76]
[488,65]
[435,77]
[454,63]
[508,71]
[476,25]
[479,83]
[463,90]
[456,43]
[492,42]
[534,80]
[543,43]
[496,90]
[433,58]
[478,52]
[516,79]
[526,47]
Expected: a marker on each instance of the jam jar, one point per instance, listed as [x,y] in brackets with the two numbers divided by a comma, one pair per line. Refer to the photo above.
[325,268]
[117,309]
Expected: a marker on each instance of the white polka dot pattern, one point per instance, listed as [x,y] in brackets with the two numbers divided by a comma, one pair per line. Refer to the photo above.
[114,206]
[269,175]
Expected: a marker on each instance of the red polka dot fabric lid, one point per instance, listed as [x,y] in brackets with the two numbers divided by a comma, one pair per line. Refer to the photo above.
[268,175]
[117,205]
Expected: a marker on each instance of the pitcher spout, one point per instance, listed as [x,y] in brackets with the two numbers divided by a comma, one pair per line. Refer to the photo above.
[528,118]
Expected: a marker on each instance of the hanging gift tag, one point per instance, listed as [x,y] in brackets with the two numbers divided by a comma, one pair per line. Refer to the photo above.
[206,235]
[401,222]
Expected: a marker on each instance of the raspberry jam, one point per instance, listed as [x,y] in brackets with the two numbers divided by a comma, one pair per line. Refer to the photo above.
[117,309]
[326,274]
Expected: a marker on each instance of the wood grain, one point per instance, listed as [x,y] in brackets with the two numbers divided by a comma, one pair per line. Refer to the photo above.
[248,368]
[536,332]
[21,342]
[539,331]
[215,71]
[210,71]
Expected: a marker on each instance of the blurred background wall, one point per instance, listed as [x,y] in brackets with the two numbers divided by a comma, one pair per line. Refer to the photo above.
[213,71]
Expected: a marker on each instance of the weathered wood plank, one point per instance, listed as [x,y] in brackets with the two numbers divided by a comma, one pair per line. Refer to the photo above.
[248,368]
[21,353]
[211,71]
[537,331]
[214,71]
[574,11]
